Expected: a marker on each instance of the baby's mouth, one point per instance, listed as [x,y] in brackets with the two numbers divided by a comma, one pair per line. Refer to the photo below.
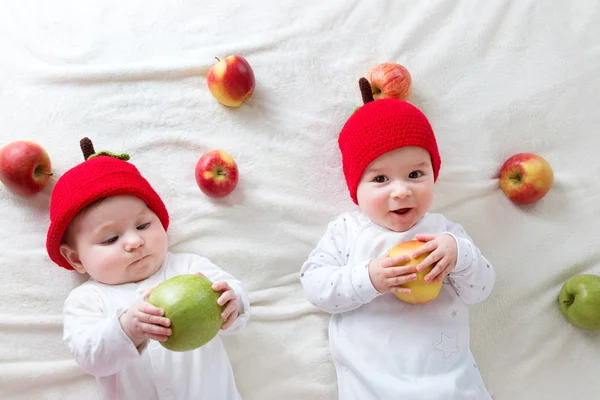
[139,259]
[401,211]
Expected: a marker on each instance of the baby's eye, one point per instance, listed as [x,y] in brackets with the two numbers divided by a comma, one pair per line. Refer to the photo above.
[415,174]
[143,226]
[111,240]
[380,179]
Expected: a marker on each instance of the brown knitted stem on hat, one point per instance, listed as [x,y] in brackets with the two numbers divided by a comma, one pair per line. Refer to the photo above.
[365,90]
[87,147]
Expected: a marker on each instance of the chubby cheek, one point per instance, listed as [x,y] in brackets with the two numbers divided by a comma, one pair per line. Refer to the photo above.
[372,203]
[103,265]
[159,241]
[425,199]
[109,259]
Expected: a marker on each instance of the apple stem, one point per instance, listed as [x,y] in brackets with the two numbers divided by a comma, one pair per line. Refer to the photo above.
[568,302]
[516,177]
[217,58]
[38,171]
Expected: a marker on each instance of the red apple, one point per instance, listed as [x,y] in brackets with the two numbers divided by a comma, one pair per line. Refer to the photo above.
[25,167]
[231,81]
[216,173]
[525,178]
[389,81]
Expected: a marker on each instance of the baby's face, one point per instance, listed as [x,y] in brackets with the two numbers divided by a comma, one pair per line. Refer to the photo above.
[396,189]
[119,240]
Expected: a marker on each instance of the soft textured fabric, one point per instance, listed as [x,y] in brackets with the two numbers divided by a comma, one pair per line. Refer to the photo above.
[94,336]
[378,127]
[384,348]
[494,79]
[93,179]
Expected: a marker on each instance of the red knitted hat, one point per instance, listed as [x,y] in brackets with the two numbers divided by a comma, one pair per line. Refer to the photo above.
[101,175]
[378,127]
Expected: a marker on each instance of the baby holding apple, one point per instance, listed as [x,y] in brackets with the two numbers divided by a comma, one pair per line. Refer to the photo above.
[106,221]
[382,347]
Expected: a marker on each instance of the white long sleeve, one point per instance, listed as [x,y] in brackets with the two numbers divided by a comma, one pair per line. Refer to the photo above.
[329,282]
[94,335]
[95,338]
[474,276]
[385,348]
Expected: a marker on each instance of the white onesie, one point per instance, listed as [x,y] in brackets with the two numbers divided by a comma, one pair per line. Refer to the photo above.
[384,348]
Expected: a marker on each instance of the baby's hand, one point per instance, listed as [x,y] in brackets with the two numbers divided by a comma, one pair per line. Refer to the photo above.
[386,276]
[444,252]
[144,321]
[230,313]
[229,300]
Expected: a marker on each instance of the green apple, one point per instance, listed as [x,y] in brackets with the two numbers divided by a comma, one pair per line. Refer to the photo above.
[579,300]
[190,303]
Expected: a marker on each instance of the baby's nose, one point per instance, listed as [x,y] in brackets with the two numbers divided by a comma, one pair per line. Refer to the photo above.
[401,191]
[133,241]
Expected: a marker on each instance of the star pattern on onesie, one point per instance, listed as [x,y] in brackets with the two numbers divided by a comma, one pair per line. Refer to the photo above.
[448,345]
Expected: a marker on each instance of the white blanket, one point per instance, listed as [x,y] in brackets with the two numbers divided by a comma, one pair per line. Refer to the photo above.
[495,78]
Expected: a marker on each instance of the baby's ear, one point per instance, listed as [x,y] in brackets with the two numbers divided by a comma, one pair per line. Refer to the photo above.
[72,257]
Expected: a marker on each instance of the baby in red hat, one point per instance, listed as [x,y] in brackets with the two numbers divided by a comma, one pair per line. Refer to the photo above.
[382,347]
[106,221]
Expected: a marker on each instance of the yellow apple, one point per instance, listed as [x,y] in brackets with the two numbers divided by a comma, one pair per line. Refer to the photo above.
[421,290]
